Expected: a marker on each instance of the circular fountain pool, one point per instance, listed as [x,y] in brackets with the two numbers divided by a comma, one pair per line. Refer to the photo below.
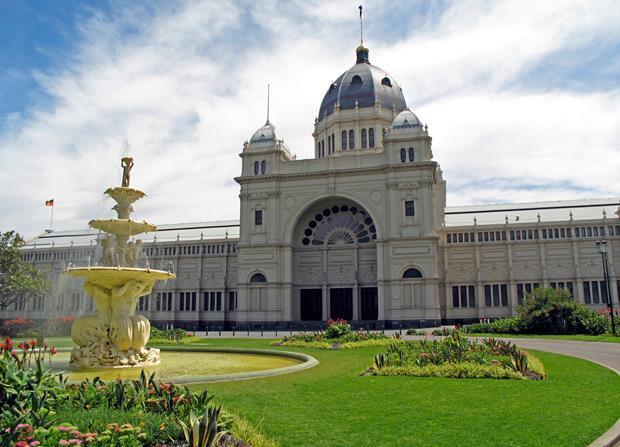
[197,365]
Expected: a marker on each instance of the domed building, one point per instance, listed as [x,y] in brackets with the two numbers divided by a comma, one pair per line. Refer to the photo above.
[359,232]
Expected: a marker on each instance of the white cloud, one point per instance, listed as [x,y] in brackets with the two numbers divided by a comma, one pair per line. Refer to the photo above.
[186,85]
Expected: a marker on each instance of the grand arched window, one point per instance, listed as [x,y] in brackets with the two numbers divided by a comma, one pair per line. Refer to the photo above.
[256,165]
[412,273]
[371,137]
[403,155]
[339,224]
[351,139]
[411,154]
[344,140]
[258,278]
[263,167]
[364,139]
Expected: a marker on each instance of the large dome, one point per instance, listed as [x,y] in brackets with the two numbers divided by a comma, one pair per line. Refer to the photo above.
[363,84]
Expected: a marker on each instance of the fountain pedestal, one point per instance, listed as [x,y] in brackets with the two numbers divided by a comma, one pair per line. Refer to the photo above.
[116,336]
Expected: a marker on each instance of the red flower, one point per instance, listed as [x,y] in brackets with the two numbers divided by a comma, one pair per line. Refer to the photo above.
[53,351]
[32,342]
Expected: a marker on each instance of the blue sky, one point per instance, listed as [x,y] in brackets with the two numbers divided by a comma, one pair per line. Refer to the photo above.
[521,97]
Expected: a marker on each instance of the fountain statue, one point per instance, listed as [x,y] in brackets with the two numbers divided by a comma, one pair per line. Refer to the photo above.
[116,336]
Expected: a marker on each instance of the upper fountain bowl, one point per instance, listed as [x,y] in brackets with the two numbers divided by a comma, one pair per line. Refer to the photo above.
[122,194]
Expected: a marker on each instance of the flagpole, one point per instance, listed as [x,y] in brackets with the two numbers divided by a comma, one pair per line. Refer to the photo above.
[52,217]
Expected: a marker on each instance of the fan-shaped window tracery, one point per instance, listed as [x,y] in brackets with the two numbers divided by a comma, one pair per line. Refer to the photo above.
[339,224]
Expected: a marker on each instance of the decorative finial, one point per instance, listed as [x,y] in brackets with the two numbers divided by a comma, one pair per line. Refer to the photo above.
[361,26]
[506,218]
[475,221]
[268,86]
[362,51]
[604,215]
[538,217]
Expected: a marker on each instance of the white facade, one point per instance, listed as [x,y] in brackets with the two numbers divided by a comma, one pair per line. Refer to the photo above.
[360,232]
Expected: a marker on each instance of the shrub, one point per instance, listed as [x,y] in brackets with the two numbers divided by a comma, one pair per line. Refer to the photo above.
[586,321]
[11,328]
[412,331]
[337,328]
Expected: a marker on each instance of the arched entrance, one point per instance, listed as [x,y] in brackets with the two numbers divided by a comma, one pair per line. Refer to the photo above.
[335,263]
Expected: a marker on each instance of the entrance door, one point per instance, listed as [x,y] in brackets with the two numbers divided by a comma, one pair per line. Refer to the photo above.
[341,304]
[369,303]
[311,304]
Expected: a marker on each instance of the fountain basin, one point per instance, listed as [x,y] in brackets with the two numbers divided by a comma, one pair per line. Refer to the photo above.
[122,227]
[109,277]
[198,364]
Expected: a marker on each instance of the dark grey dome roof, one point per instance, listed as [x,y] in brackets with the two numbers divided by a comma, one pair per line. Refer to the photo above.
[365,84]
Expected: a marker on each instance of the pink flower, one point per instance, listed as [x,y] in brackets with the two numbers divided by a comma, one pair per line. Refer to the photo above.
[32,342]
[21,444]
[53,351]
[63,428]
[64,442]
[34,443]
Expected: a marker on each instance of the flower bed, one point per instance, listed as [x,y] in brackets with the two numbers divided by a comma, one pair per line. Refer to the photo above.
[457,357]
[35,404]
[338,335]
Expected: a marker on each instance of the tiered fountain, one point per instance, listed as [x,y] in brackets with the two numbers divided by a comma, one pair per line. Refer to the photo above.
[116,336]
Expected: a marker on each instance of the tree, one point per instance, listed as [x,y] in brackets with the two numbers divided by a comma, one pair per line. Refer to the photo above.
[19,281]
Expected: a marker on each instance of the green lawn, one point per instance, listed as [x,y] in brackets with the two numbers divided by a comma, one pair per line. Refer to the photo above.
[607,338]
[331,405]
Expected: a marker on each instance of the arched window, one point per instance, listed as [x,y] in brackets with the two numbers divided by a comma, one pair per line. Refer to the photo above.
[263,167]
[258,278]
[323,147]
[371,137]
[333,143]
[351,139]
[356,79]
[386,81]
[403,155]
[344,140]
[411,154]
[318,149]
[412,273]
[329,145]
[364,139]
[256,168]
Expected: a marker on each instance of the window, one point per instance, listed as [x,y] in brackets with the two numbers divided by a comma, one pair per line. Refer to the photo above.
[344,140]
[386,81]
[163,301]
[495,295]
[263,167]
[258,217]
[38,303]
[371,137]
[411,154]
[333,143]
[412,273]
[463,296]
[403,155]
[258,278]
[351,139]
[409,208]
[356,79]
[329,145]
[364,139]
[524,289]
[256,168]
[143,303]
[75,301]
[187,301]
[232,300]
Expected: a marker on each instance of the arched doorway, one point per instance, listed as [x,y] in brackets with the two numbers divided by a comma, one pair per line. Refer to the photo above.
[335,263]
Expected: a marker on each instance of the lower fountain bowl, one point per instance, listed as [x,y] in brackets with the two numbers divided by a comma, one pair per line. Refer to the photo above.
[198,364]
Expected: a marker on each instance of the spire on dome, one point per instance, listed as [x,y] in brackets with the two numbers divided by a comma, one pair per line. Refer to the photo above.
[362,50]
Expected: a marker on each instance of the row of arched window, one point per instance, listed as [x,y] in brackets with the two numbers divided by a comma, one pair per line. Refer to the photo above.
[403,155]
[367,137]
[260,167]
[331,146]
[347,141]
